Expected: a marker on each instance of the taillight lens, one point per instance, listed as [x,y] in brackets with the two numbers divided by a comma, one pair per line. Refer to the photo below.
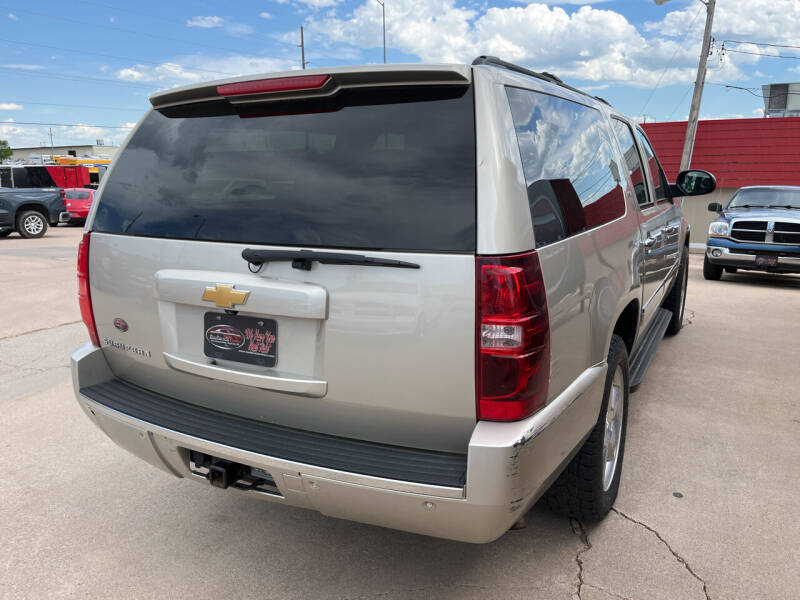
[84,294]
[513,337]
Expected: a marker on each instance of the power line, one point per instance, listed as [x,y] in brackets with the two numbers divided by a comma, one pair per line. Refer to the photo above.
[123,29]
[723,50]
[126,109]
[51,75]
[12,123]
[686,93]
[761,44]
[669,64]
[132,11]
[125,58]
[753,91]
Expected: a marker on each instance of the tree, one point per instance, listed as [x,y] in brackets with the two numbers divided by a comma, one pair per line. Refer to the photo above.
[5,150]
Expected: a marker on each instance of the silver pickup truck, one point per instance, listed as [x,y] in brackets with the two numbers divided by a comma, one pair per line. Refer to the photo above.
[415,296]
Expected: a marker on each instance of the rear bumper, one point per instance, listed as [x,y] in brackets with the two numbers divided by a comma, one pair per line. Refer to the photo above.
[508,465]
[727,253]
[67,216]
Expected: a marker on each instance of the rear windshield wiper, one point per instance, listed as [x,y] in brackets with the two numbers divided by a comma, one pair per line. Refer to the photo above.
[302,259]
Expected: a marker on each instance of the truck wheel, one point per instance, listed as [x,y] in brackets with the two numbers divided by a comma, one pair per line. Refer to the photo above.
[587,488]
[711,272]
[31,224]
[676,299]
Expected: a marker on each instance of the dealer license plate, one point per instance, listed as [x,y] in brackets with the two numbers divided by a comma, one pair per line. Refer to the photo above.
[250,340]
[763,260]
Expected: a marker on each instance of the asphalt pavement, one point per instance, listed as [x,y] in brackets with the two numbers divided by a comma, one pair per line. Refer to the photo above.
[707,508]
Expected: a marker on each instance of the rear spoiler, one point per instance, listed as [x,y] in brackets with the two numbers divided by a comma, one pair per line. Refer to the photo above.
[312,83]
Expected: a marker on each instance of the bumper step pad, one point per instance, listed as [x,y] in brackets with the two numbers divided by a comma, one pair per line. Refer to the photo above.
[316,449]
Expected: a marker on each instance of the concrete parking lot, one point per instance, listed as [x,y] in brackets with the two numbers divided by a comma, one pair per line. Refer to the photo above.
[707,508]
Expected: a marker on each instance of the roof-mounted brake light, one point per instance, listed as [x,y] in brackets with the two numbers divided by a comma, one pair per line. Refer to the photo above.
[281,84]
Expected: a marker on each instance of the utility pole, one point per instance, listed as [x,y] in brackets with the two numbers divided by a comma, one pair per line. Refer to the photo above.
[302,48]
[697,96]
[52,152]
[383,10]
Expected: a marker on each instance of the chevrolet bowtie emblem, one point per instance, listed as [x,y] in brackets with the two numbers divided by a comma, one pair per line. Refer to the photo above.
[225,296]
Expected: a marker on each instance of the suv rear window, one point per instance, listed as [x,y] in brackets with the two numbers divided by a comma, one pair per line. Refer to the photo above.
[77,195]
[391,170]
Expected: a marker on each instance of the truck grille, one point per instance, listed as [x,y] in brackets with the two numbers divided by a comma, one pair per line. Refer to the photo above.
[749,231]
[786,233]
[783,232]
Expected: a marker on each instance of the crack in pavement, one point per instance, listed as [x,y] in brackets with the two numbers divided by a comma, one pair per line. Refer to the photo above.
[577,529]
[677,556]
[688,320]
[605,591]
[16,335]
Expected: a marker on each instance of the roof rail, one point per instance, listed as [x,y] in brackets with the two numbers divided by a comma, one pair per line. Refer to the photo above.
[544,75]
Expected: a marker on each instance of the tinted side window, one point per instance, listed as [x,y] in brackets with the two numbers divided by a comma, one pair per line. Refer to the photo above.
[656,172]
[21,179]
[633,161]
[572,177]
[5,177]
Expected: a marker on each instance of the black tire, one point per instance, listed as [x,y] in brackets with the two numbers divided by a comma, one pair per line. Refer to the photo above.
[676,299]
[579,491]
[731,269]
[31,224]
[711,272]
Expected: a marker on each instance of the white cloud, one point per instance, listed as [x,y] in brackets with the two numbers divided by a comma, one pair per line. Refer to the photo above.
[264,15]
[214,22]
[27,136]
[556,2]
[22,66]
[13,17]
[758,112]
[205,22]
[318,3]
[776,21]
[10,106]
[589,43]
[185,71]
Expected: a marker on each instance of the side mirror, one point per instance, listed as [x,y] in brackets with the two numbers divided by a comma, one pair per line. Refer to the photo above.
[695,182]
[715,207]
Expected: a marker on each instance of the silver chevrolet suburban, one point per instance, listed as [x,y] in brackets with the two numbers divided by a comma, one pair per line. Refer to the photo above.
[415,296]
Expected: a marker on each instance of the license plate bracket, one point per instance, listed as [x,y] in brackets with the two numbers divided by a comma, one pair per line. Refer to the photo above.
[250,340]
[766,260]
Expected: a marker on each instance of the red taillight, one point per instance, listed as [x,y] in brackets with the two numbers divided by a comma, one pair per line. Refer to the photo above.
[513,337]
[281,84]
[84,295]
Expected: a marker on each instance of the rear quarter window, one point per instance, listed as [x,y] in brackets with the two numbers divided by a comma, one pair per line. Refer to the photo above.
[571,171]
[377,170]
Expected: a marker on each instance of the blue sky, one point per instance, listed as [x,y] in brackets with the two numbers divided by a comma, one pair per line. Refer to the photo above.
[99,60]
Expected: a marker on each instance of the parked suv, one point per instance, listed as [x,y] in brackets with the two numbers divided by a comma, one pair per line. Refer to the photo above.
[758,230]
[415,296]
